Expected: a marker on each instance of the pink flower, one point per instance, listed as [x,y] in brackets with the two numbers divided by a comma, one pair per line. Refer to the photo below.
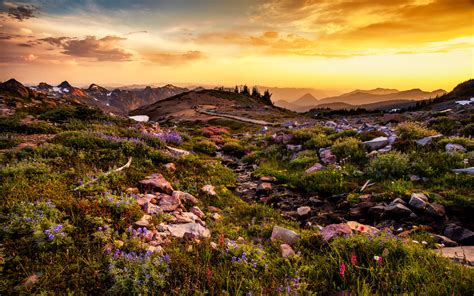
[353,259]
[342,269]
[378,259]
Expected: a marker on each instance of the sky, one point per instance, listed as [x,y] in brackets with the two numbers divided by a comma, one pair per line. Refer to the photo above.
[322,44]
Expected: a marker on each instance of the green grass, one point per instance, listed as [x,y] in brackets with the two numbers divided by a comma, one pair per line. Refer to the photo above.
[39,183]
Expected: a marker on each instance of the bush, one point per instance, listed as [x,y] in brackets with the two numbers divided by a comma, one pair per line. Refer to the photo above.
[349,148]
[433,163]
[205,146]
[234,148]
[304,160]
[66,113]
[465,142]
[468,130]
[367,136]
[326,183]
[392,165]
[414,131]
[445,125]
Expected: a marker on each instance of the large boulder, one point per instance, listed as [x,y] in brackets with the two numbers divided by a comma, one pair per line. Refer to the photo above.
[435,210]
[157,182]
[461,254]
[196,229]
[285,235]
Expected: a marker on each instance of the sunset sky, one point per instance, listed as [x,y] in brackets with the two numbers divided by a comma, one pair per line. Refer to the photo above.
[324,44]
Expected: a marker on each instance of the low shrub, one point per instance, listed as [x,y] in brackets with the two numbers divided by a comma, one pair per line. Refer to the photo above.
[205,146]
[350,149]
[414,131]
[392,165]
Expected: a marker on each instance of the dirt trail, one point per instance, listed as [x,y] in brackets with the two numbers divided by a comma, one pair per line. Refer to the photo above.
[239,118]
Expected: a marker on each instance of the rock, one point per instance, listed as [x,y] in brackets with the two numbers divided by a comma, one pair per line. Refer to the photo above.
[185,197]
[152,209]
[398,209]
[435,210]
[196,229]
[427,140]
[286,251]
[445,241]
[213,209]
[334,230]
[209,189]
[398,200]
[303,211]
[293,148]
[450,148]
[197,211]
[264,188]
[267,179]
[144,221]
[155,249]
[418,201]
[362,228]
[326,156]
[285,235]
[213,245]
[463,254]
[170,167]
[466,170]
[377,143]
[315,168]
[459,234]
[216,216]
[168,203]
[131,190]
[415,178]
[157,182]
[376,210]
[142,200]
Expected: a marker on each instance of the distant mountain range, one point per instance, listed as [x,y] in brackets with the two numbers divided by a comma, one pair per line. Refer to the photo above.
[372,98]
[119,101]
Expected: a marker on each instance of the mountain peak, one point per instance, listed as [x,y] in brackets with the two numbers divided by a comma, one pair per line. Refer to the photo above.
[65,84]
[306,100]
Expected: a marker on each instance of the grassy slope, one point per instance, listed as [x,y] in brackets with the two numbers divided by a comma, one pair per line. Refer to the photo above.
[78,264]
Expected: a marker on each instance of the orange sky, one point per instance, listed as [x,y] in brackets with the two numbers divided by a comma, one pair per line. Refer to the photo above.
[324,44]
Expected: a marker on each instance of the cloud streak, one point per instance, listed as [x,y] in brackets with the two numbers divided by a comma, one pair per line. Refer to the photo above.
[21,12]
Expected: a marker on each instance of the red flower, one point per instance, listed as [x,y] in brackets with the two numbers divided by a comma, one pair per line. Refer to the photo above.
[221,239]
[342,269]
[353,259]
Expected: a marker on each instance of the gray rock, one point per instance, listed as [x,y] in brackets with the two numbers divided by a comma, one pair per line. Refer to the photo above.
[435,210]
[334,230]
[293,148]
[157,182]
[398,209]
[445,241]
[398,200]
[185,197]
[466,170]
[463,254]
[144,221]
[286,251]
[326,156]
[168,203]
[459,234]
[315,168]
[303,211]
[209,189]
[418,201]
[152,209]
[451,147]
[285,235]
[197,211]
[427,140]
[196,229]
[264,187]
[377,143]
